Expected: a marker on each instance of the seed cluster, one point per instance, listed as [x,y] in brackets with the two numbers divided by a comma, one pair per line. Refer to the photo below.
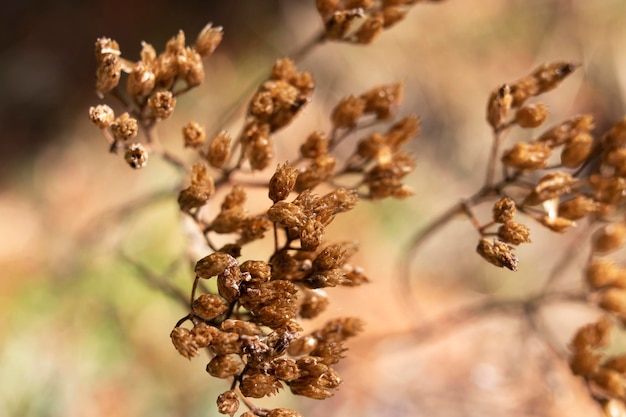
[247,313]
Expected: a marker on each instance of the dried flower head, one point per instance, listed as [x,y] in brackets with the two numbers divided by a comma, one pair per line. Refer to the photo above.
[497,253]
[136,156]
[101,115]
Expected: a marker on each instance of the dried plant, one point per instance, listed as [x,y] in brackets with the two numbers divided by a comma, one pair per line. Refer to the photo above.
[247,313]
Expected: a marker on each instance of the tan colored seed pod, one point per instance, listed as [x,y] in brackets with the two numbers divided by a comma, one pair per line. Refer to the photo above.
[370,29]
[614,300]
[223,366]
[497,253]
[124,127]
[259,385]
[209,306]
[514,233]
[609,238]
[610,381]
[228,403]
[504,210]
[184,343]
[531,115]
[141,80]
[161,104]
[383,100]
[282,182]
[527,156]
[601,273]
[577,150]
[101,115]
[202,334]
[214,264]
[194,135]
[585,362]
[498,106]
[550,186]
[594,335]
[347,112]
[283,412]
[209,39]
[616,136]
[392,15]
[314,303]
[315,145]
[136,156]
[578,207]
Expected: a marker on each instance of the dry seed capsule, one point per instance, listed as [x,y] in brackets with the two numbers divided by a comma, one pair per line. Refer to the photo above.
[219,150]
[529,156]
[557,224]
[101,115]
[283,412]
[614,300]
[550,186]
[610,381]
[601,273]
[184,342]
[616,136]
[259,385]
[282,182]
[208,40]
[370,29]
[161,104]
[124,127]
[141,80]
[228,403]
[347,112]
[209,306]
[497,253]
[609,238]
[585,362]
[194,135]
[223,366]
[514,233]
[214,264]
[383,100]
[576,150]
[593,335]
[578,207]
[498,106]
[531,115]
[504,210]
[136,156]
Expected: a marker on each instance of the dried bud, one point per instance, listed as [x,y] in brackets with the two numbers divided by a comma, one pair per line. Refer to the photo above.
[228,284]
[208,40]
[314,303]
[108,73]
[282,182]
[504,210]
[228,403]
[286,214]
[124,127]
[543,79]
[601,273]
[514,233]
[101,116]
[315,145]
[577,150]
[609,238]
[370,29]
[566,130]
[303,345]
[383,100]
[401,132]
[318,171]
[223,366]
[194,135]
[161,104]
[616,136]
[225,343]
[578,207]
[595,335]
[209,306]
[184,342]
[550,186]
[214,264]
[285,369]
[141,80]
[199,191]
[529,156]
[498,106]
[347,112]
[259,385]
[219,150]
[585,362]
[241,327]
[136,156]
[531,115]
[202,334]
[497,253]
[614,300]
[616,363]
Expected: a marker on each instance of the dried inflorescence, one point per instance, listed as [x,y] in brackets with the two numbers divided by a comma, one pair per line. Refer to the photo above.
[249,317]
[361,21]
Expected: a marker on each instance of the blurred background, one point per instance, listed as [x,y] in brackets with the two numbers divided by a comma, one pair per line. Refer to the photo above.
[85,334]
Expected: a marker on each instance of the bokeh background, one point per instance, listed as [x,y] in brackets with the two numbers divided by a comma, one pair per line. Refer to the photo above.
[86,334]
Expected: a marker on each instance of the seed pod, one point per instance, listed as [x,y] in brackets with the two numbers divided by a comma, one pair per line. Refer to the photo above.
[209,306]
[499,105]
[194,135]
[610,381]
[614,300]
[557,224]
[223,366]
[141,80]
[282,182]
[576,150]
[594,335]
[101,115]
[259,385]
[585,362]
[136,156]
[383,100]
[514,233]
[370,29]
[601,273]
[531,115]
[315,145]
[578,207]
[497,253]
[504,210]
[214,264]
[609,238]
[208,40]
[347,112]
[184,342]
[124,127]
[161,104]
[228,403]
[527,156]
[550,186]
[616,136]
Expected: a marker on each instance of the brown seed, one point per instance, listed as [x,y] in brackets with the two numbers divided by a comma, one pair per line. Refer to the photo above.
[504,210]
[223,366]
[282,182]
[228,403]
[497,253]
[609,237]
[531,115]
[577,150]
[209,306]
